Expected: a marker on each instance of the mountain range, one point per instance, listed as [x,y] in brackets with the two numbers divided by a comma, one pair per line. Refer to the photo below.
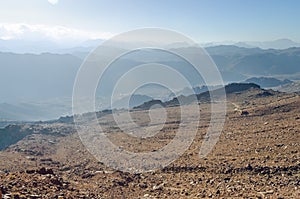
[30,79]
[42,46]
[268,82]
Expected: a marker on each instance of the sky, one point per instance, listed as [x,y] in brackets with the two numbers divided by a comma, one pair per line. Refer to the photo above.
[202,20]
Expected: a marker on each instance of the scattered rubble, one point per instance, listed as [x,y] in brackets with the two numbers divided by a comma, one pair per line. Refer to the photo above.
[257,156]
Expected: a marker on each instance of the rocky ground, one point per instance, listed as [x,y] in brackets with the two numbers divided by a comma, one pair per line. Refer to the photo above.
[257,156]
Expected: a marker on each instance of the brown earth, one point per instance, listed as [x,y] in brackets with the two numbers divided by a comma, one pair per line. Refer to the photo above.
[257,156]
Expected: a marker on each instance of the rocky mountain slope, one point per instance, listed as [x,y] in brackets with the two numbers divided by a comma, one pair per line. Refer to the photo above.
[257,156]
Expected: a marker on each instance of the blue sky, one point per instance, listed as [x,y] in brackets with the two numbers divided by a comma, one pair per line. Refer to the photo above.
[202,20]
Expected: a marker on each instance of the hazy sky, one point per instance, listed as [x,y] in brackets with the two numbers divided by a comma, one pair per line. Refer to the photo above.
[203,20]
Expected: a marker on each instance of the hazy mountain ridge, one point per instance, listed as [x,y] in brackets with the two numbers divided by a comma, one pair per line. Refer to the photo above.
[289,88]
[255,61]
[42,46]
[267,81]
[39,77]
[283,43]
[201,97]
[47,46]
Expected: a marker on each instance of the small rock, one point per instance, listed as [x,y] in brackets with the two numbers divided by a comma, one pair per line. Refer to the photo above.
[108,172]
[87,175]
[7,196]
[143,185]
[158,187]
[244,113]
[56,181]
[46,160]
[249,167]
[227,179]
[30,158]
[44,171]
[30,171]
[34,196]
[65,168]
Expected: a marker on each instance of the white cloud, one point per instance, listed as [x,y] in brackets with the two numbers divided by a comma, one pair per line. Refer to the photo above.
[53,2]
[38,32]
